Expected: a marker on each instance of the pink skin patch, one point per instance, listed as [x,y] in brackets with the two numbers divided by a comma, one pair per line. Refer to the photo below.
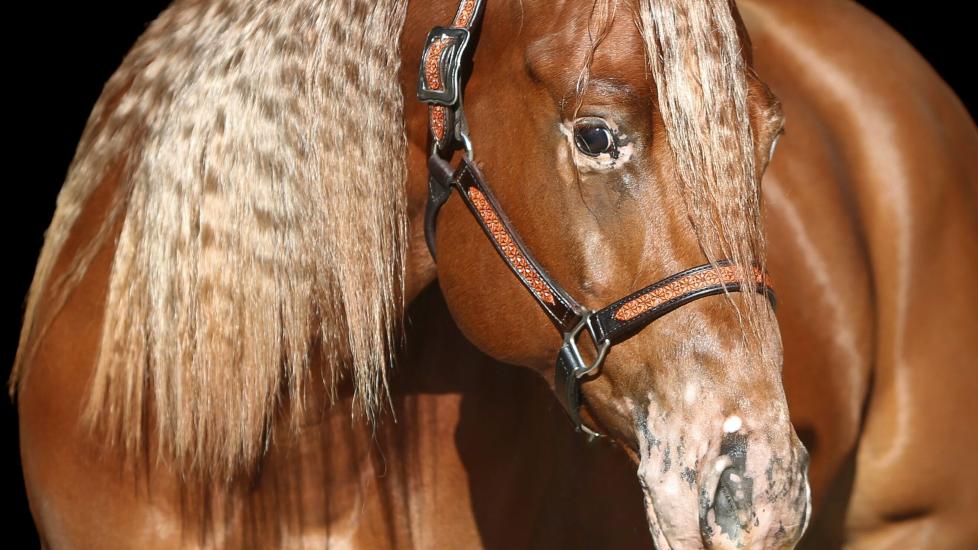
[680,471]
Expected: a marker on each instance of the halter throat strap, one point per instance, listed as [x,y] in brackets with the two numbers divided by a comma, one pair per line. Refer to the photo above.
[440,86]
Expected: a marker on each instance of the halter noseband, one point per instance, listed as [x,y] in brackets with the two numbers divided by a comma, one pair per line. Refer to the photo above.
[440,86]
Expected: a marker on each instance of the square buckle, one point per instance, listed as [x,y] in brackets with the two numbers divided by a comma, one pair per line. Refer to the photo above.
[439,82]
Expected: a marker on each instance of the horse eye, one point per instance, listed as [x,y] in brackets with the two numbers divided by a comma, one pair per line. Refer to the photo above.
[594,138]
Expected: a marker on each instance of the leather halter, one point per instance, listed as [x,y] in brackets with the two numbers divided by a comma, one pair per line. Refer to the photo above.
[440,86]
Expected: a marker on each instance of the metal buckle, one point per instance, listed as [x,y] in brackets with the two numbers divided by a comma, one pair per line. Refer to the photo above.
[449,66]
[571,368]
[580,368]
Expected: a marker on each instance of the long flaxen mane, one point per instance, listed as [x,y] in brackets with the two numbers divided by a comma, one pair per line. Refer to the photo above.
[695,57]
[701,77]
[259,149]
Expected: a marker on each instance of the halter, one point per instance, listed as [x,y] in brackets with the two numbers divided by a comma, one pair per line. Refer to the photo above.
[440,86]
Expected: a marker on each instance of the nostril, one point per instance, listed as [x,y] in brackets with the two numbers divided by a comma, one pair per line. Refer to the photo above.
[734,445]
[734,489]
[726,495]
[723,500]
[732,501]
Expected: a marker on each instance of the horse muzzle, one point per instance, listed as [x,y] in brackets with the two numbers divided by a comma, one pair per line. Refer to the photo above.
[722,483]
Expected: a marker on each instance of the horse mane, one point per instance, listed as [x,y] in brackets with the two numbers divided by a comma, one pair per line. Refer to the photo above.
[263,219]
[694,54]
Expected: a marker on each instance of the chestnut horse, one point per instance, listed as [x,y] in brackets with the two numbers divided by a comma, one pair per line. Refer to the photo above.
[238,256]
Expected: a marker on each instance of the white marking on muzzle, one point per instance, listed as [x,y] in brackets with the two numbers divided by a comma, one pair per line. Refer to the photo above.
[732,424]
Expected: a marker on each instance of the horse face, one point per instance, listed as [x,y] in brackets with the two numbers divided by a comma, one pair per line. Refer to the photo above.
[573,142]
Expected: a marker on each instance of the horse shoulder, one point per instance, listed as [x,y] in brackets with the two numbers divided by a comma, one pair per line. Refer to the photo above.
[81,492]
[905,152]
[323,486]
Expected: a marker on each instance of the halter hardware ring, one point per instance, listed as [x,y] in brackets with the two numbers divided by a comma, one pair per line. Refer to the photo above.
[467,143]
[581,368]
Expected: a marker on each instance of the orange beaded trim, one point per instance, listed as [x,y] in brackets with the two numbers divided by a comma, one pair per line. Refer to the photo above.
[437,115]
[431,73]
[509,248]
[464,14]
[725,275]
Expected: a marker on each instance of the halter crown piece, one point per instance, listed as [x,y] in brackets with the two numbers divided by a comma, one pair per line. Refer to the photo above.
[440,86]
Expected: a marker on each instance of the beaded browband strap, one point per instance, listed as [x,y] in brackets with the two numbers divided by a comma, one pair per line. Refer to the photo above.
[440,87]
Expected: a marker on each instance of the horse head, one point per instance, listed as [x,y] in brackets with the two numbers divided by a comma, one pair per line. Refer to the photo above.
[625,142]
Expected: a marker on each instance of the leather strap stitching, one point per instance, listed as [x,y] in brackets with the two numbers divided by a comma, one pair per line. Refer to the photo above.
[626,316]
[562,309]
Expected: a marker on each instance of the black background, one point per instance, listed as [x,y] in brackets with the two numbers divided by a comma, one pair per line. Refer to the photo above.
[63,55]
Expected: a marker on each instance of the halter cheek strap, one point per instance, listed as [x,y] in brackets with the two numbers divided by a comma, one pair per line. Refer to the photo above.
[439,85]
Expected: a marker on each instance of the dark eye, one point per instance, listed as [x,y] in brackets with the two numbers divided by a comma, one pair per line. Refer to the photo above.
[594,138]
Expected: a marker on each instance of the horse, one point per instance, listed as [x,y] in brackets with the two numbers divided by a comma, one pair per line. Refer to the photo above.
[247,242]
